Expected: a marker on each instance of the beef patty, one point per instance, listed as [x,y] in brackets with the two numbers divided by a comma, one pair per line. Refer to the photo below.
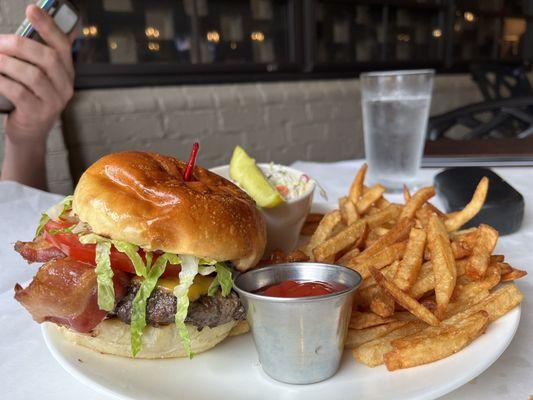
[208,311]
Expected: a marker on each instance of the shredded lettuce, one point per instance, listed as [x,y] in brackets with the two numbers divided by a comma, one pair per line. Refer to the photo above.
[148,256]
[60,208]
[104,273]
[138,307]
[62,230]
[42,222]
[189,269]
[205,270]
[223,280]
[92,238]
[104,277]
[132,251]
[53,213]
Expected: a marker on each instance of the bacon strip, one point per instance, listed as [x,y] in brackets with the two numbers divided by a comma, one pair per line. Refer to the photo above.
[39,250]
[64,291]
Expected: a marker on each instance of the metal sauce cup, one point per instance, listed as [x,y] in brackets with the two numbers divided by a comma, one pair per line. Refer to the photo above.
[299,340]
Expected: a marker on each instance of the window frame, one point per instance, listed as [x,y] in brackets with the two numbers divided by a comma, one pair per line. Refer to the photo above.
[301,48]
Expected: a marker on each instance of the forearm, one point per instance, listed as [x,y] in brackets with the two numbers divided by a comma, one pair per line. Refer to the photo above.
[25,163]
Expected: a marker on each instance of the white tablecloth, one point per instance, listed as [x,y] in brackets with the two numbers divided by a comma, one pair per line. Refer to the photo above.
[28,371]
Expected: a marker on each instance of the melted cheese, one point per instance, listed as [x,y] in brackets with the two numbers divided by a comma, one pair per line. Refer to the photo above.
[199,287]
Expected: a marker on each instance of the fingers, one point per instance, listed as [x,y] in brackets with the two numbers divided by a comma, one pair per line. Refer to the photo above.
[28,75]
[46,58]
[21,97]
[52,35]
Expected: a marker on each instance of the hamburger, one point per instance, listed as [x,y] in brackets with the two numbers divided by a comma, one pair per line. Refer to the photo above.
[138,262]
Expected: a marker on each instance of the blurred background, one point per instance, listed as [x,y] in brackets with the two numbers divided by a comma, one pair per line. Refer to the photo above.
[280,78]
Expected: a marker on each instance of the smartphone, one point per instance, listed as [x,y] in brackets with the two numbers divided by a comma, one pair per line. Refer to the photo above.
[65,16]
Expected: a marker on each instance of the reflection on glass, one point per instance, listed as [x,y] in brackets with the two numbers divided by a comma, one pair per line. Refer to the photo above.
[347,32]
[122,48]
[356,33]
[512,34]
[244,31]
[414,35]
[476,36]
[128,31]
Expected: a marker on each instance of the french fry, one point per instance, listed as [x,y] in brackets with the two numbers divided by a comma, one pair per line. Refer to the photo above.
[479,261]
[380,218]
[425,281]
[457,220]
[371,353]
[382,203]
[443,263]
[497,258]
[379,260]
[424,213]
[382,304]
[389,272]
[513,275]
[447,341]
[348,212]
[504,267]
[399,233]
[363,320]
[297,256]
[417,201]
[492,278]
[363,297]
[459,249]
[369,198]
[465,236]
[402,298]
[406,194]
[346,257]
[412,257]
[356,189]
[412,260]
[339,242]
[324,230]
[497,304]
[357,337]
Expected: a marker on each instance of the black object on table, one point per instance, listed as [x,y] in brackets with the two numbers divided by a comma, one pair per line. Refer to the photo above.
[503,208]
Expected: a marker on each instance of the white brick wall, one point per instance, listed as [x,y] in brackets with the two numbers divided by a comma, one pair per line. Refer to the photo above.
[283,122]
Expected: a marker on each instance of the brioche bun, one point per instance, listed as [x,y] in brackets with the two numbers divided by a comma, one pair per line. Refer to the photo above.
[112,336]
[141,198]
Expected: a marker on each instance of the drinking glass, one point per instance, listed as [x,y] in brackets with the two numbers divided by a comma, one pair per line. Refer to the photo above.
[395,115]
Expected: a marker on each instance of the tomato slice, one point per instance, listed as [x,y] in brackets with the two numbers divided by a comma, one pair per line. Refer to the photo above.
[69,244]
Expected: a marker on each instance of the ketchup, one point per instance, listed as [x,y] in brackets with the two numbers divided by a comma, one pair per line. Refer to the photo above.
[300,289]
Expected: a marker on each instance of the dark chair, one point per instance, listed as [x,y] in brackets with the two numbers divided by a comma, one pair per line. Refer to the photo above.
[500,81]
[508,118]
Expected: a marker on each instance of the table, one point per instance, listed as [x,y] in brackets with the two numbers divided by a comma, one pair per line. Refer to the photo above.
[27,370]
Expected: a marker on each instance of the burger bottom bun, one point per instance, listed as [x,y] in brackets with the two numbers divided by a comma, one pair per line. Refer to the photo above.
[112,336]
[240,328]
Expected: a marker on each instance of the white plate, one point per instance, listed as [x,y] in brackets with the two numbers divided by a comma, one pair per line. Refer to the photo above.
[232,370]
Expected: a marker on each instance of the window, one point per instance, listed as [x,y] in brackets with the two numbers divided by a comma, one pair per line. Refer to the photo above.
[135,42]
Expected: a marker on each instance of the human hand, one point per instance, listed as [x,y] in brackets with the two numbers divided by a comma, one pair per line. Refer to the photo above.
[37,78]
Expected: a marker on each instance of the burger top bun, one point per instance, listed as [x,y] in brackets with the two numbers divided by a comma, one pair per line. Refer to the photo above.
[141,198]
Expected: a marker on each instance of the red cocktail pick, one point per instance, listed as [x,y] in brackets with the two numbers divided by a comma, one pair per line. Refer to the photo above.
[192,161]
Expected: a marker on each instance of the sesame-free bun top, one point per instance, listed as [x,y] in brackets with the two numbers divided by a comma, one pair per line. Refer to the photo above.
[141,198]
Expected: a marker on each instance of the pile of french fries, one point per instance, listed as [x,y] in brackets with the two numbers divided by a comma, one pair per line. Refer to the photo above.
[428,290]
